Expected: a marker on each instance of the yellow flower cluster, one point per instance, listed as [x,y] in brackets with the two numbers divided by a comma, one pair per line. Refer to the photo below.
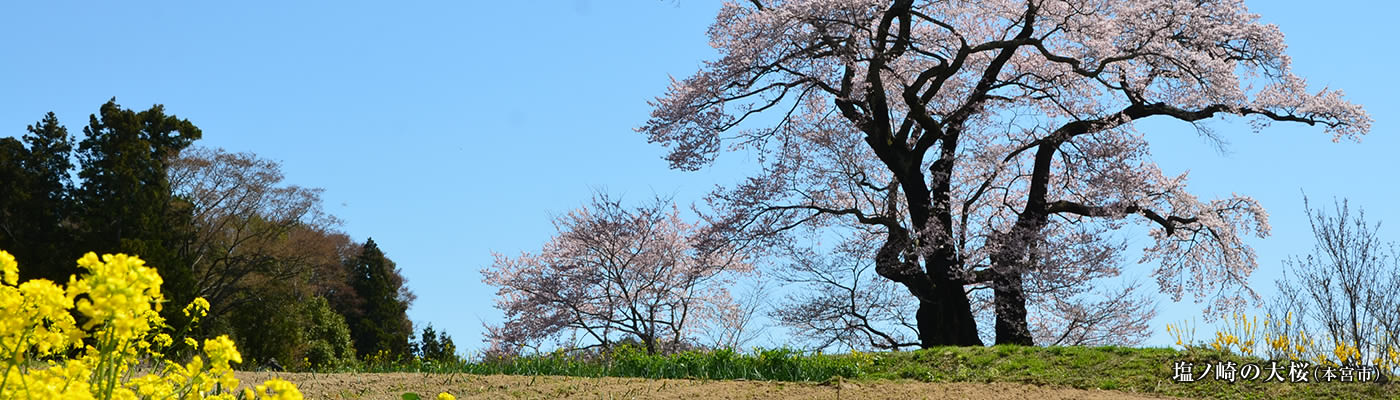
[275,389]
[9,269]
[1239,336]
[1346,353]
[1185,334]
[862,359]
[122,293]
[34,318]
[197,308]
[1388,360]
[1286,341]
[119,300]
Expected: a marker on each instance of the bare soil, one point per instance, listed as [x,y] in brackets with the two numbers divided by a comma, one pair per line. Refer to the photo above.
[393,385]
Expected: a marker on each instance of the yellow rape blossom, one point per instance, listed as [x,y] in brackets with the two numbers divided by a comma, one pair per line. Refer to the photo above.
[120,299]
[197,309]
[162,340]
[9,269]
[122,293]
[278,389]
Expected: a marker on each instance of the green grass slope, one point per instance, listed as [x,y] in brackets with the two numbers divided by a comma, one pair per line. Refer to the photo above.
[1138,370]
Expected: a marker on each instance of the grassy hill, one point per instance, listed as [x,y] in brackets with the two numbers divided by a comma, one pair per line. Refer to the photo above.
[1135,370]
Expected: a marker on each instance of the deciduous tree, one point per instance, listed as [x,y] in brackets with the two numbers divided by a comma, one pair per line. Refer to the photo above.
[1343,292]
[244,221]
[616,273]
[264,250]
[976,135]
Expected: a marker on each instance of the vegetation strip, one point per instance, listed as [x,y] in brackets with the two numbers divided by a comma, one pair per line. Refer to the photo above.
[1135,370]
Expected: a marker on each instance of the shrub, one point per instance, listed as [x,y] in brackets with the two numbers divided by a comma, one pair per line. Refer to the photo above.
[301,334]
[328,337]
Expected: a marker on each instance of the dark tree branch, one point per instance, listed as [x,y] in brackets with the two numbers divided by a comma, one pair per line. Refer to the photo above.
[1170,223]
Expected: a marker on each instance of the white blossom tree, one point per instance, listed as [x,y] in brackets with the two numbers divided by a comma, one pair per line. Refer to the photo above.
[991,142]
[615,273]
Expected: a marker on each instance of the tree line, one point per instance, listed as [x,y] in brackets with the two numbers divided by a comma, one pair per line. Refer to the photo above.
[280,278]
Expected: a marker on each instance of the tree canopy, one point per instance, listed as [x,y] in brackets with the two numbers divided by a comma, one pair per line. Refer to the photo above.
[991,143]
[277,274]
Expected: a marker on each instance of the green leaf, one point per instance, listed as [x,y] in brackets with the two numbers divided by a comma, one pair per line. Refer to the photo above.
[411,396]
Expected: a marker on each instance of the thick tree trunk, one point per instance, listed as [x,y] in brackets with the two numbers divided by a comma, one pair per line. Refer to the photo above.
[945,317]
[1008,289]
[1010,300]
[1015,250]
[650,343]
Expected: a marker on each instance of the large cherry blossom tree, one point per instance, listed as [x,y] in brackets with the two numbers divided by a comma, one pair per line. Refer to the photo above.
[991,143]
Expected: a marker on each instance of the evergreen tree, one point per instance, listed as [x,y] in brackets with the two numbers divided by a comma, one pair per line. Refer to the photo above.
[437,346]
[14,191]
[125,203]
[48,165]
[50,161]
[36,199]
[382,324]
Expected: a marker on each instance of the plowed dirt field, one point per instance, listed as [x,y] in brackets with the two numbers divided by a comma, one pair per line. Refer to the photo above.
[392,385]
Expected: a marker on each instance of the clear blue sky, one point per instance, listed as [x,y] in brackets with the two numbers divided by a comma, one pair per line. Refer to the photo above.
[447,130]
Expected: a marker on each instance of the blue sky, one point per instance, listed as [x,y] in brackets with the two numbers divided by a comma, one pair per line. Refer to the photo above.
[446,130]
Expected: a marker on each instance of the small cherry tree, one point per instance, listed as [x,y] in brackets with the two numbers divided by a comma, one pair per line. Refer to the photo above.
[976,135]
[613,274]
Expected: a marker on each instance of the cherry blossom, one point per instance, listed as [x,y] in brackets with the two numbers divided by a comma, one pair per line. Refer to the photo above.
[615,273]
[977,136]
